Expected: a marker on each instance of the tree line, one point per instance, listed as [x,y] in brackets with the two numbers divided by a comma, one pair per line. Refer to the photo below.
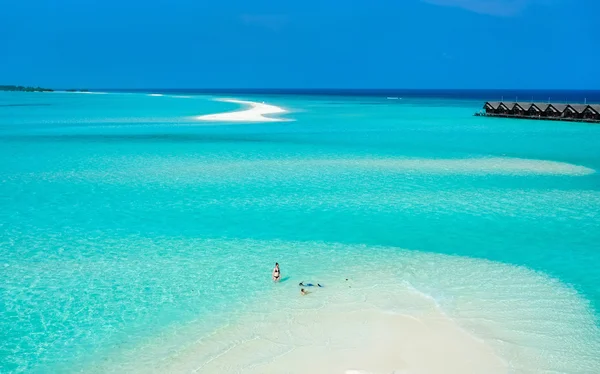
[25,89]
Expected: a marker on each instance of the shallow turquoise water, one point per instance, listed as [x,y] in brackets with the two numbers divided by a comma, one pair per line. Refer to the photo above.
[123,219]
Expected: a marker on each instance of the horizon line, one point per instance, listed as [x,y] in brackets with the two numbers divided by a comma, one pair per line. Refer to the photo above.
[338,89]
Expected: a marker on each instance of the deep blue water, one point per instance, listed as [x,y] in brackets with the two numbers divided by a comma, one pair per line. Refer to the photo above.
[557,96]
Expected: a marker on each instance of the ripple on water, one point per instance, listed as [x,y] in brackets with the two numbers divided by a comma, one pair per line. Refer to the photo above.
[163,170]
[156,299]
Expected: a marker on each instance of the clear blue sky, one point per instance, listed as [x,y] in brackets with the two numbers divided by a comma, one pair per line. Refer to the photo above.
[301,44]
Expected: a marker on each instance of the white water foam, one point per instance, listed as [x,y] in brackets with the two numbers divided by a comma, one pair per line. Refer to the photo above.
[84,92]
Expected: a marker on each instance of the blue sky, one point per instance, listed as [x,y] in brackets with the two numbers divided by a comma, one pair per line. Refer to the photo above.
[301,44]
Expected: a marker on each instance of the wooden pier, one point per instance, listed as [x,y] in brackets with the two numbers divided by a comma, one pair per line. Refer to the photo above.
[542,111]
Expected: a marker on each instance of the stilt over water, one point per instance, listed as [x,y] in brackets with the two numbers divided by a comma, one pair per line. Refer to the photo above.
[547,111]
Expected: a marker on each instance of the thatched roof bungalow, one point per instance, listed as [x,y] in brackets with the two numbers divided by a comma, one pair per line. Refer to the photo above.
[536,109]
[585,112]
[591,112]
[491,105]
[555,110]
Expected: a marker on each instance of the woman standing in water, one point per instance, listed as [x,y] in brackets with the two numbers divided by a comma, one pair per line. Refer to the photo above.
[276,273]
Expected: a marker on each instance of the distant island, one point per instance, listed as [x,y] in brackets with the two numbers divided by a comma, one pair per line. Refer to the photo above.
[35,89]
[25,89]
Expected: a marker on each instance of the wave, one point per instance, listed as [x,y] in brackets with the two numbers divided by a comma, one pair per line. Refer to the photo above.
[84,92]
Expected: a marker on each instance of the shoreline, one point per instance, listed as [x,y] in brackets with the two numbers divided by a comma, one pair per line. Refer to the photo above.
[256,112]
[337,329]
[346,337]
[419,313]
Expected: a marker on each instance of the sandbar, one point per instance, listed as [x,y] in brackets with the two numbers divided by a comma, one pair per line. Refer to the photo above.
[256,112]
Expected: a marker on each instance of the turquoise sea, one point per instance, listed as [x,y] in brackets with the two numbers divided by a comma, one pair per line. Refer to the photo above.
[130,231]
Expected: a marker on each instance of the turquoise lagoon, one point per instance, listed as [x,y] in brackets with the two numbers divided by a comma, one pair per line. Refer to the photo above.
[130,231]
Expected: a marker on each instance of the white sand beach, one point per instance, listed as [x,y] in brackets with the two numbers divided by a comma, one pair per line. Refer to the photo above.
[256,112]
[410,312]
[363,340]
[338,329]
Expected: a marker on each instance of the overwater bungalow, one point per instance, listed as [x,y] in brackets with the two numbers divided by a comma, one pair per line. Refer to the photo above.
[550,111]
[555,110]
[575,110]
[536,109]
[591,112]
[519,109]
[491,106]
[503,108]
[570,112]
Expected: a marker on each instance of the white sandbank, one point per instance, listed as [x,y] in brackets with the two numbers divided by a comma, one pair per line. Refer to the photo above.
[337,329]
[334,341]
[382,311]
[282,168]
[255,113]
[465,166]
